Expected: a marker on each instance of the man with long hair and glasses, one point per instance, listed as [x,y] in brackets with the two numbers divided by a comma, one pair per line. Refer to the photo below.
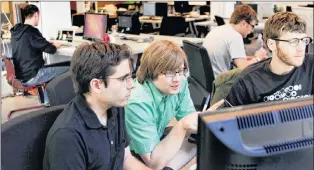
[161,94]
[225,44]
[288,74]
[90,133]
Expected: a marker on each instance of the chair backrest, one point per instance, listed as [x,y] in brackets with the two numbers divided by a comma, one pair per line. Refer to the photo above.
[60,90]
[200,66]
[172,26]
[201,73]
[9,68]
[23,139]
[220,21]
[204,9]
[223,84]
[15,83]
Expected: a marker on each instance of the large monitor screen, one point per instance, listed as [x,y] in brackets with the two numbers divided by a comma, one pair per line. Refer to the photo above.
[95,26]
[265,136]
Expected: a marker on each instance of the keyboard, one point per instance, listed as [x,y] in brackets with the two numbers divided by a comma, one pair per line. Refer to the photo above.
[63,43]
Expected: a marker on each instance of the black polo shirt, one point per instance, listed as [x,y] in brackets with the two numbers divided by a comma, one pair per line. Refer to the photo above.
[77,139]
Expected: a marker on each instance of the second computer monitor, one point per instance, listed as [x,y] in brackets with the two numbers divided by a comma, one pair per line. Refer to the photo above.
[182,6]
[155,9]
[95,26]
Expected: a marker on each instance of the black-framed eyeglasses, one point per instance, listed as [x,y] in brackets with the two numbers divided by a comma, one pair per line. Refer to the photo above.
[253,26]
[124,79]
[172,74]
[295,41]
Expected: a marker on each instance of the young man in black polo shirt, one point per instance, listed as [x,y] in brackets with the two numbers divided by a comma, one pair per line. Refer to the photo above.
[287,75]
[90,133]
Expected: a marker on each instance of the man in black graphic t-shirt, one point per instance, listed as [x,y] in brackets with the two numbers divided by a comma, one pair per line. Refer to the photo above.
[287,75]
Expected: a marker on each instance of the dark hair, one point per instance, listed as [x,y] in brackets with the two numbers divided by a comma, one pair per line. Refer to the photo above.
[96,60]
[29,11]
[243,12]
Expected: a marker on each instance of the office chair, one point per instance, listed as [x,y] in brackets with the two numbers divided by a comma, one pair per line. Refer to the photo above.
[174,26]
[220,21]
[223,83]
[18,86]
[60,90]
[23,139]
[201,73]
[204,9]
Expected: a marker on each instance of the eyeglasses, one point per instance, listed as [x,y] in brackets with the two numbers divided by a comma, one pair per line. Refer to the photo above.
[295,41]
[172,74]
[124,79]
[253,26]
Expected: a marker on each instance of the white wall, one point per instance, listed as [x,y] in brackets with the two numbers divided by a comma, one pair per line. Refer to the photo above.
[53,16]
[306,14]
[223,9]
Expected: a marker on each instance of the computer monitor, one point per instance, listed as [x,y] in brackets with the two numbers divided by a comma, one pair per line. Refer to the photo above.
[155,9]
[149,9]
[162,9]
[128,22]
[266,136]
[95,26]
[182,6]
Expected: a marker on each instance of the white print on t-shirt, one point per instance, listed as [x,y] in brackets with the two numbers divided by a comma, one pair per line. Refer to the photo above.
[286,93]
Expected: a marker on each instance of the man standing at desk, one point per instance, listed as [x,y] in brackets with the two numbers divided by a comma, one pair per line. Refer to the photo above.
[225,44]
[28,46]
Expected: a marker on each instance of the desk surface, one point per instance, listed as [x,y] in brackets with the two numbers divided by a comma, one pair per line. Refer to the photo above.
[158,21]
[136,47]
[258,27]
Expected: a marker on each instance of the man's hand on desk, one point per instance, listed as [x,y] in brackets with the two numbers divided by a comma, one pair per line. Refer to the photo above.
[190,121]
[57,45]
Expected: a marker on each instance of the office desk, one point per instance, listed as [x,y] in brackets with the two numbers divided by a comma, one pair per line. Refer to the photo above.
[158,21]
[212,24]
[190,20]
[65,53]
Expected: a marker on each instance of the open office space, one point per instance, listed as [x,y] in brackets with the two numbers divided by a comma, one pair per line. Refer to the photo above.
[157,85]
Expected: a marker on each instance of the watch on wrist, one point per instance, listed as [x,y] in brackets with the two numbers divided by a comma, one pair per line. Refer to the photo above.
[257,58]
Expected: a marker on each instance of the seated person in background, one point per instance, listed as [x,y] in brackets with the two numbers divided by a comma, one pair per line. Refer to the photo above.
[225,45]
[161,93]
[90,133]
[28,46]
[287,75]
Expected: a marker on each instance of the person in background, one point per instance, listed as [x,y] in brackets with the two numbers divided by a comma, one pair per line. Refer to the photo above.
[287,75]
[225,44]
[161,94]
[90,133]
[28,46]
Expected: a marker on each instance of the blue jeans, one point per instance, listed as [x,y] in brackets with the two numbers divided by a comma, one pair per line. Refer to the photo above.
[44,75]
